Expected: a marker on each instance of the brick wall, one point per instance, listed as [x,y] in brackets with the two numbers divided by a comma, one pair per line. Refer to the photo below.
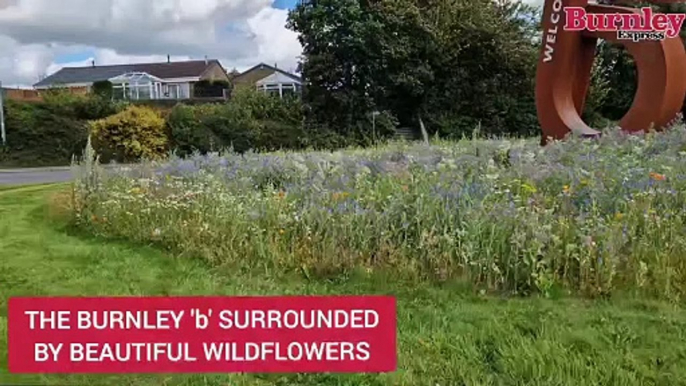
[21,94]
[18,94]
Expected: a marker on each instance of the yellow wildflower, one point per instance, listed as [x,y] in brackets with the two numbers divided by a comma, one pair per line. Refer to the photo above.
[566,189]
[619,216]
[281,232]
[340,196]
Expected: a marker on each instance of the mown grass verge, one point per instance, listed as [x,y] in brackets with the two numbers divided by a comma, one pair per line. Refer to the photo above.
[447,335]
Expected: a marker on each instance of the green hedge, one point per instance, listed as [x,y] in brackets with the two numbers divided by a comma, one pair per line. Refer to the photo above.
[37,136]
[53,131]
[250,121]
[49,133]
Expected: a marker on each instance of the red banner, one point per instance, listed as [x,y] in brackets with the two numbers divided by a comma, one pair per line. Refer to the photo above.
[202,335]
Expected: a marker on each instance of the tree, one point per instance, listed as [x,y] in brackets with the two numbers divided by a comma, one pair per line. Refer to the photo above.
[336,35]
[450,63]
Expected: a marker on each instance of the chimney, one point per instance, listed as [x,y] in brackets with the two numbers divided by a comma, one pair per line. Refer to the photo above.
[93,63]
[206,60]
[168,58]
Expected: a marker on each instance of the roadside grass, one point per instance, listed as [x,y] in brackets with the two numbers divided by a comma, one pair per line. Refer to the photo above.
[8,187]
[27,187]
[447,334]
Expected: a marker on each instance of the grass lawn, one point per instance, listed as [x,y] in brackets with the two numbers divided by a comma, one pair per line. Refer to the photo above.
[447,335]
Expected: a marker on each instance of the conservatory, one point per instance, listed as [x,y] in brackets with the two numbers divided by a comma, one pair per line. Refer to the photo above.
[279,84]
[140,86]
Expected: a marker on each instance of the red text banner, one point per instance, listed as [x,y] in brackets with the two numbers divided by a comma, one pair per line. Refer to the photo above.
[202,335]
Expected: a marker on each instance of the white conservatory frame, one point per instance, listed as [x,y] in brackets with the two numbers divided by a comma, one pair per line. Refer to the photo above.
[278,84]
[139,86]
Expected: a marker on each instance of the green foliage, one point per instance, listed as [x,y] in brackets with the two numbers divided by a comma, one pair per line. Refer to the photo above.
[103,89]
[599,97]
[250,121]
[133,134]
[210,88]
[50,132]
[38,134]
[277,122]
[208,127]
[320,136]
[455,64]
[81,107]
[188,132]
[618,71]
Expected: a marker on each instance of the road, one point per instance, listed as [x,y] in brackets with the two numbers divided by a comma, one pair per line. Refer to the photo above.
[42,175]
[34,176]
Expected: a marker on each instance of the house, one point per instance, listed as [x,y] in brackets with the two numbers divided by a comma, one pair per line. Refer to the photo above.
[269,79]
[170,80]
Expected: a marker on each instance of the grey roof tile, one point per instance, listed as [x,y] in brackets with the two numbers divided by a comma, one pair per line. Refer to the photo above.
[272,68]
[91,74]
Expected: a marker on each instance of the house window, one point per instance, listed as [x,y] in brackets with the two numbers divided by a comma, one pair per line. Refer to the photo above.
[287,92]
[144,91]
[118,93]
[171,91]
[136,86]
[279,89]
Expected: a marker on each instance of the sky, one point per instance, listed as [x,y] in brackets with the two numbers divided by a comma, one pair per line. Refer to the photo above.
[38,37]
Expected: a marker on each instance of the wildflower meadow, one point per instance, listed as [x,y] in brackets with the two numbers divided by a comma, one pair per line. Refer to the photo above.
[587,217]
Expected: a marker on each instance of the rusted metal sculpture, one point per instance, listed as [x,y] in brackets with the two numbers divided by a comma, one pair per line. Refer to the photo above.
[564,73]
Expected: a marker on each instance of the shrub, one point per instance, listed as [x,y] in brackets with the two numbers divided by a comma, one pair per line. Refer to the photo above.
[188,132]
[83,107]
[135,133]
[38,136]
[277,122]
[250,121]
[233,126]
[279,135]
[103,89]
[50,132]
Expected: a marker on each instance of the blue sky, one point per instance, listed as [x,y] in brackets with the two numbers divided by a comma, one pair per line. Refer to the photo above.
[84,55]
[284,4]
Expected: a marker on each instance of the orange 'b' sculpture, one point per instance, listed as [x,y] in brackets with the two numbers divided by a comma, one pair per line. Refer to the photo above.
[564,73]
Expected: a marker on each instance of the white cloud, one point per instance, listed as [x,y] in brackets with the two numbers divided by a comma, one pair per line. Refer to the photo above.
[240,33]
[276,44]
